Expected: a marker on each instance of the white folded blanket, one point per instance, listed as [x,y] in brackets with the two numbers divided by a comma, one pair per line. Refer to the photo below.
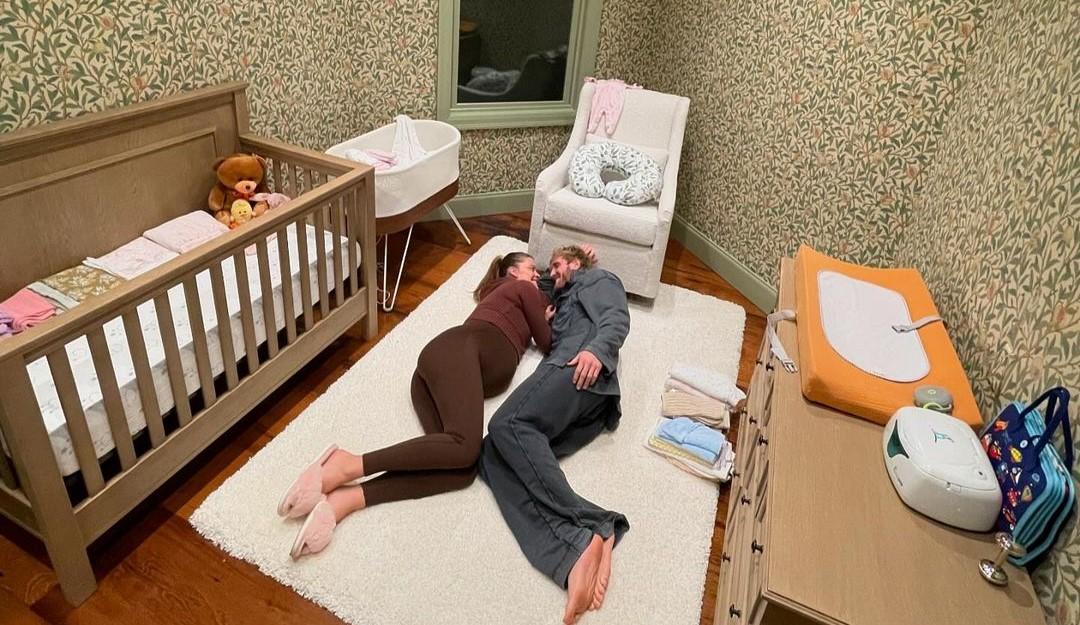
[715,385]
[132,259]
[186,232]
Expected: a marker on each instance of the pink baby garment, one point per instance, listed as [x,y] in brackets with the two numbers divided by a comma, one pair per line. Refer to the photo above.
[25,309]
[607,104]
[186,232]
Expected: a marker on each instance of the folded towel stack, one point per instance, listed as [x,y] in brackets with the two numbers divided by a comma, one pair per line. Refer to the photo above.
[24,310]
[692,447]
[695,401]
[709,383]
[678,403]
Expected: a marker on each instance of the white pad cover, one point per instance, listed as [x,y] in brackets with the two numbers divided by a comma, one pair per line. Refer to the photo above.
[857,318]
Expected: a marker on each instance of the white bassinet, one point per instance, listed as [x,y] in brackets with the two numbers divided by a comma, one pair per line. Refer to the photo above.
[403,188]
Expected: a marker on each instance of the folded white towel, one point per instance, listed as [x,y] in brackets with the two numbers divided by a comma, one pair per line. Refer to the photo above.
[715,385]
[186,232]
[132,259]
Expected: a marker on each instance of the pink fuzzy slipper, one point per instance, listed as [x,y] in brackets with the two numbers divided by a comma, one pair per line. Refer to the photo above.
[316,532]
[306,490]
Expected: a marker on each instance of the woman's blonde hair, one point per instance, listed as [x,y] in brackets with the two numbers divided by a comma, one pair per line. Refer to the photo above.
[498,268]
[573,252]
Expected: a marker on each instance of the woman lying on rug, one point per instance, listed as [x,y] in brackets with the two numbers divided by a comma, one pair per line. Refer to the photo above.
[454,374]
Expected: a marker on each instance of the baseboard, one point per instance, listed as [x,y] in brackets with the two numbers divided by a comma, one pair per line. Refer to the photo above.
[730,268]
[482,204]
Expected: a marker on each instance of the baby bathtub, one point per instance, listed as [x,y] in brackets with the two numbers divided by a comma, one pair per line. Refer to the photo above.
[401,188]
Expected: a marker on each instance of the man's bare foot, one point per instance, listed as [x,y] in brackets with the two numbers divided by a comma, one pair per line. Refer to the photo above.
[581,583]
[604,574]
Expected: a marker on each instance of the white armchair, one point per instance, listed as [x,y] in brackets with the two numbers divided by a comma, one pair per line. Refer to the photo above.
[631,240]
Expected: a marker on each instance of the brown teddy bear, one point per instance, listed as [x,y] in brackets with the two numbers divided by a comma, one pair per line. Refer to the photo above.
[239,177]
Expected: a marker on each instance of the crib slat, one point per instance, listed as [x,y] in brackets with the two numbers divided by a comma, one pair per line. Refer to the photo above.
[247,320]
[336,221]
[320,261]
[305,270]
[198,339]
[351,230]
[294,189]
[312,179]
[110,394]
[7,472]
[269,319]
[224,324]
[173,363]
[286,285]
[279,182]
[76,420]
[143,377]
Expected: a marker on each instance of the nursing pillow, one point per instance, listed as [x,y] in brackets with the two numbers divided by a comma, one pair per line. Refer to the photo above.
[643,177]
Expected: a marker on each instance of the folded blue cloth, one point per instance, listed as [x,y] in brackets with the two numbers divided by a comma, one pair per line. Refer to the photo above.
[700,440]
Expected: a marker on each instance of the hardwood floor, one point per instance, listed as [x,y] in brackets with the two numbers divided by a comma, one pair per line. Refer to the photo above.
[154,568]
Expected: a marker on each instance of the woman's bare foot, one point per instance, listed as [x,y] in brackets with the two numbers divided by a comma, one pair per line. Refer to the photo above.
[339,468]
[581,584]
[604,573]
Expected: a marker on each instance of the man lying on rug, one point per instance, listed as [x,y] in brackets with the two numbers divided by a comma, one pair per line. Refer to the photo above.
[571,397]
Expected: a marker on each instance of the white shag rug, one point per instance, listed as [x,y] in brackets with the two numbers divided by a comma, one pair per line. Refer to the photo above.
[450,559]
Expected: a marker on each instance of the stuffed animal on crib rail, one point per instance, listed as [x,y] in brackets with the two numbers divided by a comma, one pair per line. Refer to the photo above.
[239,178]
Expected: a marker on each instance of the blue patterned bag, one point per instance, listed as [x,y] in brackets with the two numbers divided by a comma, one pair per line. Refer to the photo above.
[1037,488]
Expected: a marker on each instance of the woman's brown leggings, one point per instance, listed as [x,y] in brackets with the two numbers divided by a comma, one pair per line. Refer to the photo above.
[456,371]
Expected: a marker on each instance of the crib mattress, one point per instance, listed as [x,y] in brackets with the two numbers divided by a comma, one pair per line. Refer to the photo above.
[827,378]
[83,368]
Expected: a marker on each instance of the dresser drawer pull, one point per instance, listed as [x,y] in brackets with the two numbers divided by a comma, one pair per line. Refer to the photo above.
[735,473]
[724,557]
[753,420]
[761,440]
[733,612]
[744,500]
[769,367]
[756,547]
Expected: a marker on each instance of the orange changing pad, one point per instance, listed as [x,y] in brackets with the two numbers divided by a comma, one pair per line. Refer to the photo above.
[830,380]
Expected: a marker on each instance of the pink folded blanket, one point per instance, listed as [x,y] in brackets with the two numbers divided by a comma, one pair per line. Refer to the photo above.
[132,259]
[186,232]
[24,310]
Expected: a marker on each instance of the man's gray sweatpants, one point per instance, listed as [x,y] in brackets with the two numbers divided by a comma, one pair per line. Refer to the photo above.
[544,418]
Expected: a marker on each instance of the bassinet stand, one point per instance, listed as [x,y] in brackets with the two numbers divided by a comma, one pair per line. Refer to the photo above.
[386,226]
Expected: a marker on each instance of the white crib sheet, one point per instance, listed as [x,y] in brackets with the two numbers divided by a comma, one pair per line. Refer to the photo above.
[86,377]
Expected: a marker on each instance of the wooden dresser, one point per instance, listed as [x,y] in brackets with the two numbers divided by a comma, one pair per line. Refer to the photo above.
[815,532]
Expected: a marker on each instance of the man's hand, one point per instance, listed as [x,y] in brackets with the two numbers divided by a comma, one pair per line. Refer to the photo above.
[588,369]
[549,313]
[589,251]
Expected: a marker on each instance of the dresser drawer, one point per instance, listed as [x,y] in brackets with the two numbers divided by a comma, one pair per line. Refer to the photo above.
[734,562]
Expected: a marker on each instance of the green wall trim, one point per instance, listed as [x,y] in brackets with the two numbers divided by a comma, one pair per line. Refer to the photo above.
[482,204]
[757,290]
[584,41]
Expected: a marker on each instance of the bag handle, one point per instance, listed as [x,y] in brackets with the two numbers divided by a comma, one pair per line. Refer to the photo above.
[1057,413]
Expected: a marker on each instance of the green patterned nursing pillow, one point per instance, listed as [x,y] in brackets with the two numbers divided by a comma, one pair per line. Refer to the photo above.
[643,177]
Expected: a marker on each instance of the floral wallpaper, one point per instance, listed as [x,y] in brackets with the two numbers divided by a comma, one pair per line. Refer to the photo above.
[939,133]
[995,228]
[319,72]
[811,121]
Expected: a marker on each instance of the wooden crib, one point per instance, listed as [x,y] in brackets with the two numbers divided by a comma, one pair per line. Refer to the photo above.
[85,186]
